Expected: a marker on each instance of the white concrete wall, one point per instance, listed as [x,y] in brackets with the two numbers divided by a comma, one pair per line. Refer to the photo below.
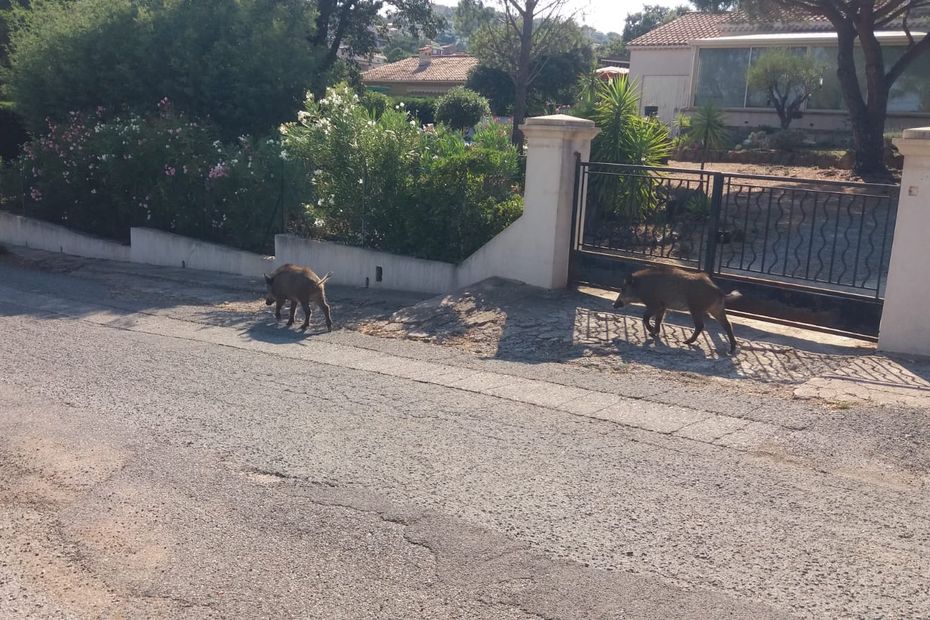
[352,266]
[905,324]
[664,78]
[30,233]
[155,247]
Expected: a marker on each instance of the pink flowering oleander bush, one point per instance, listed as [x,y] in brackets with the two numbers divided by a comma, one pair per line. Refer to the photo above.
[384,182]
[161,170]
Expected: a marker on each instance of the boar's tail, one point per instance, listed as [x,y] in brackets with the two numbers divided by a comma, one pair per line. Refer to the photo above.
[733,296]
[326,277]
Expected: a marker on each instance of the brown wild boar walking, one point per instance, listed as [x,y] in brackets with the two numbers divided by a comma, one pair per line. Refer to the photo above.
[670,288]
[300,285]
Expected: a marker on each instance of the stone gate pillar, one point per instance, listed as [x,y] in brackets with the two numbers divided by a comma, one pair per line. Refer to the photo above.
[535,248]
[905,326]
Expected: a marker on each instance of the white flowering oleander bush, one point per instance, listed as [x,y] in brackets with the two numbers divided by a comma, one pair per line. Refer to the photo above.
[161,170]
[388,184]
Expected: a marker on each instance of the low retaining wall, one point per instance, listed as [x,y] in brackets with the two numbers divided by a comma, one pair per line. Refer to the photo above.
[30,233]
[156,247]
[352,266]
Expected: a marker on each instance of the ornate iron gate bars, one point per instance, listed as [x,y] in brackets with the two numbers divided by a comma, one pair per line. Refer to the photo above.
[823,236]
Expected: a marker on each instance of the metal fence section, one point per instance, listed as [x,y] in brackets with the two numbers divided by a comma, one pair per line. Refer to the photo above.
[818,234]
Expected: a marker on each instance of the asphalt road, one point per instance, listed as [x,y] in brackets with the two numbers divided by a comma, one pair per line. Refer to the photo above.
[158,462]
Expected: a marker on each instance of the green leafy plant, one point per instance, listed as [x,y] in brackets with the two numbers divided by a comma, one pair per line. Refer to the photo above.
[387,184]
[244,64]
[627,138]
[420,109]
[162,170]
[461,108]
[709,130]
[376,103]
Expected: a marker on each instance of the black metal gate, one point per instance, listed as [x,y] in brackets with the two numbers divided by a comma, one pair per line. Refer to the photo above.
[801,250]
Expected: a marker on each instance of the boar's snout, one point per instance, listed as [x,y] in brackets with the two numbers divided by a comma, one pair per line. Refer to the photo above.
[269,300]
[619,302]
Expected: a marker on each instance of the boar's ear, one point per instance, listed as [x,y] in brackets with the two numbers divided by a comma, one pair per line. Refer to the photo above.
[268,279]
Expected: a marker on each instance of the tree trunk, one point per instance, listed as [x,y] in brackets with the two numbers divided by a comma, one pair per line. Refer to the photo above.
[866,118]
[522,78]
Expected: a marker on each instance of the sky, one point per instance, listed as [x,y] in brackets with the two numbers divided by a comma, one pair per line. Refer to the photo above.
[603,15]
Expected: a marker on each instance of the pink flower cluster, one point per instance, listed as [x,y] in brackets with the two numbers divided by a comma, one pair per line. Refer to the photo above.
[218,171]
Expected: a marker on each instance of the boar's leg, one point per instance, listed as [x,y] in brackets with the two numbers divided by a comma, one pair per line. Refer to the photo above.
[646,316]
[277,308]
[325,307]
[698,317]
[293,311]
[721,317]
[306,306]
[660,316]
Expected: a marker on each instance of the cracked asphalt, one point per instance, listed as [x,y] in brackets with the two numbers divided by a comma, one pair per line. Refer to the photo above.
[160,457]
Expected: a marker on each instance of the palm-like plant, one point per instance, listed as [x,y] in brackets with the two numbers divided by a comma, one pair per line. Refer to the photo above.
[709,129]
[627,138]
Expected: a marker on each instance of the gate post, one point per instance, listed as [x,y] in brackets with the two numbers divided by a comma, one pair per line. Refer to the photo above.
[905,327]
[536,248]
[554,145]
[713,225]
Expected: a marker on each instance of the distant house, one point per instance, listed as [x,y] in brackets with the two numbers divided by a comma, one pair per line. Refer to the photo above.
[435,71]
[705,57]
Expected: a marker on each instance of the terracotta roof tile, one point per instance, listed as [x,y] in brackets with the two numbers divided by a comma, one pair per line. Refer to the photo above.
[682,31]
[440,69]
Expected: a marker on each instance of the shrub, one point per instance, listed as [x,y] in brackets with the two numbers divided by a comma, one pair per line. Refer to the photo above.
[495,85]
[12,133]
[461,109]
[708,129]
[626,138]
[245,64]
[421,109]
[398,188]
[376,103]
[163,171]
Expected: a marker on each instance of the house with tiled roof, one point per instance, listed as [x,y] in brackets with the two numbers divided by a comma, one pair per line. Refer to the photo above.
[705,58]
[435,71]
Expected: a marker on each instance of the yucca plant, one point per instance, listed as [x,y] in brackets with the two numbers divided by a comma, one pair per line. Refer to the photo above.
[627,138]
[708,127]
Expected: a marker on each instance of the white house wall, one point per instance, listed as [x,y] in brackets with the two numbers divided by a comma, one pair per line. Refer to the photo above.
[664,78]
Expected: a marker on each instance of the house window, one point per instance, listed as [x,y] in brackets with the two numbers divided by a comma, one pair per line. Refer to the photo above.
[759,98]
[722,77]
[911,91]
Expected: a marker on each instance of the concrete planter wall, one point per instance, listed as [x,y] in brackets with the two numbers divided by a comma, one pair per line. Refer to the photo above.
[155,247]
[534,249]
[30,233]
[352,266]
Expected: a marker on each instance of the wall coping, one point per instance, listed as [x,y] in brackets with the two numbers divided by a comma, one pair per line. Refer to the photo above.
[559,124]
[914,141]
[917,133]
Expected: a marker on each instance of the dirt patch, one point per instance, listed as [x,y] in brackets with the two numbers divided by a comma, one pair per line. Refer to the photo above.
[774,170]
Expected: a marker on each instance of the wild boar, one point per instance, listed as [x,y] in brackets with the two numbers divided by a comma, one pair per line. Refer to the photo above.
[300,285]
[664,288]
